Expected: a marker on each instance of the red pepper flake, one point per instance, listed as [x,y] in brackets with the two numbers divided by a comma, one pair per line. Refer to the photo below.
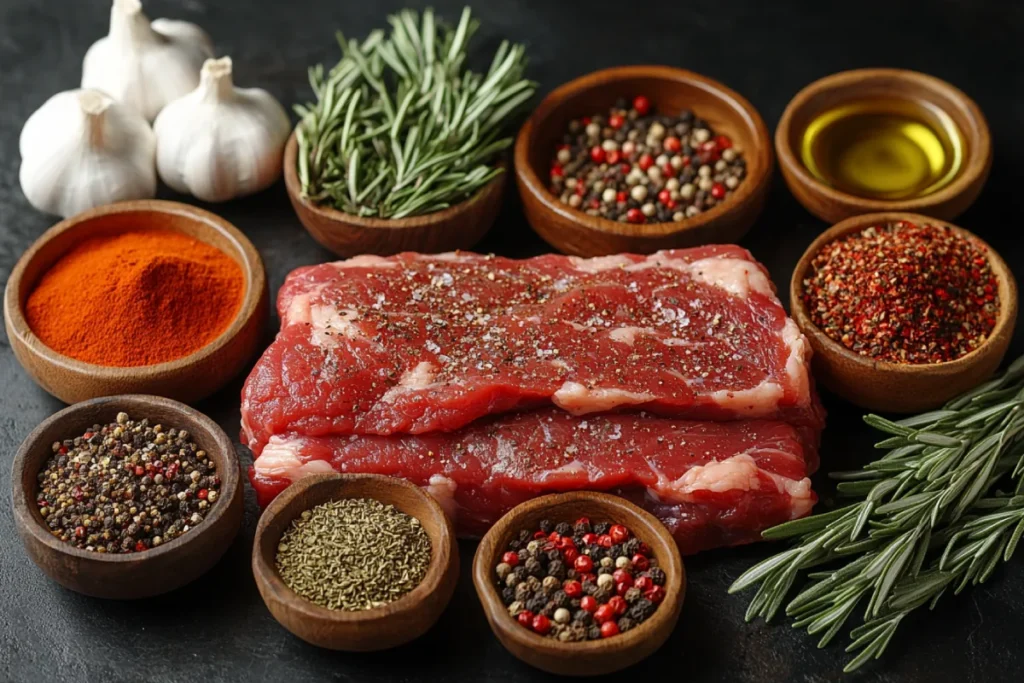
[903,293]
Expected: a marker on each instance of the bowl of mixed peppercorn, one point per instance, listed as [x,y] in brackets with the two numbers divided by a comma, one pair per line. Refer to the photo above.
[903,311]
[580,583]
[126,496]
[640,158]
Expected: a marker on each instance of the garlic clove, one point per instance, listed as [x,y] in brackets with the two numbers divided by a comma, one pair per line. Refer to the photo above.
[82,149]
[220,142]
[145,65]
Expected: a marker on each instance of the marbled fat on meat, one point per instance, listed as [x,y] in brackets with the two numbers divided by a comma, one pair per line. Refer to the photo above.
[711,483]
[418,344]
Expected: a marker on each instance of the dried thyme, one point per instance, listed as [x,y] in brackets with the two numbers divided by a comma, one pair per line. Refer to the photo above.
[353,554]
[400,126]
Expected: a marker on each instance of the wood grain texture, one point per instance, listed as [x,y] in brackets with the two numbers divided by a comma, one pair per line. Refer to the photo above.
[376,629]
[135,575]
[457,227]
[670,91]
[594,657]
[188,379]
[890,387]
[833,205]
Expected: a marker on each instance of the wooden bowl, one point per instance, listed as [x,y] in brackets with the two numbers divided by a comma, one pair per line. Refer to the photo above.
[457,227]
[380,628]
[669,90]
[891,387]
[831,204]
[188,379]
[135,575]
[592,657]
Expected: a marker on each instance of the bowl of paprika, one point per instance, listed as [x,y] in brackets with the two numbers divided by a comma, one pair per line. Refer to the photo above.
[141,297]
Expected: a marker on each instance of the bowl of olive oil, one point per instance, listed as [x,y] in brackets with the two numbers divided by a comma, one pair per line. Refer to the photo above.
[883,140]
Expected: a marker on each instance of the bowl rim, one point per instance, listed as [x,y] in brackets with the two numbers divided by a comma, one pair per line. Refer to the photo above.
[674,568]
[266,573]
[433,219]
[231,485]
[745,112]
[979,145]
[1004,276]
[252,271]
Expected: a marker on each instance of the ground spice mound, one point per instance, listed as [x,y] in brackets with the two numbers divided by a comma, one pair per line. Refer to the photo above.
[136,298]
[904,293]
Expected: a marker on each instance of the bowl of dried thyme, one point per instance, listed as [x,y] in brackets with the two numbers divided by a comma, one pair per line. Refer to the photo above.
[355,562]
[126,497]
[403,148]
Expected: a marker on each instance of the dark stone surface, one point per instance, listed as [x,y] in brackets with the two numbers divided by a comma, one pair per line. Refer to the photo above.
[217,629]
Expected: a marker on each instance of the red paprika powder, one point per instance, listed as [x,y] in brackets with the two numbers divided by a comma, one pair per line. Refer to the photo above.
[136,298]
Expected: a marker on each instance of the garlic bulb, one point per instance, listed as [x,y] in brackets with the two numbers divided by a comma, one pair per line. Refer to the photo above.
[82,149]
[145,65]
[220,142]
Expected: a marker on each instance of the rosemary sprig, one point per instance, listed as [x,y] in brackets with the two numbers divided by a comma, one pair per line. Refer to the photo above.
[926,521]
[400,127]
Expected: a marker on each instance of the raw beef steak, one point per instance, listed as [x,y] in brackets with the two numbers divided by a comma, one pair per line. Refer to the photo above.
[419,344]
[711,483]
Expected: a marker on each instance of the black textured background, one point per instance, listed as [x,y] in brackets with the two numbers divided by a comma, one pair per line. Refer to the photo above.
[217,629]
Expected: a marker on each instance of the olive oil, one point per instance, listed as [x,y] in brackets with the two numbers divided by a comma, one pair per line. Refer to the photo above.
[883,149]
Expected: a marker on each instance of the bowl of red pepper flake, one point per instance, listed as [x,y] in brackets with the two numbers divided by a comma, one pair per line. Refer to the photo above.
[903,311]
[620,581]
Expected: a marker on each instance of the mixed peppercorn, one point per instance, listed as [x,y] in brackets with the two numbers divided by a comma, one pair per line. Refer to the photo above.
[903,293]
[577,582]
[635,166]
[126,487]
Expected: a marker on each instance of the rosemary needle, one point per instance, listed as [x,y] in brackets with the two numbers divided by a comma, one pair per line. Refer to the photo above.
[400,126]
[927,522]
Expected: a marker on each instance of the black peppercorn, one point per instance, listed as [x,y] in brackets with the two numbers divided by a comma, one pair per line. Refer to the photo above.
[556,568]
[520,573]
[546,526]
[625,624]
[508,595]
[553,556]
[616,551]
[589,587]
[533,568]
[548,609]
[602,595]
[563,529]
[657,575]
[583,616]
[524,554]
[605,570]
[536,603]
[514,545]
[631,547]
[593,632]
[525,536]
[641,610]
[560,598]
[632,595]
[602,528]
[582,527]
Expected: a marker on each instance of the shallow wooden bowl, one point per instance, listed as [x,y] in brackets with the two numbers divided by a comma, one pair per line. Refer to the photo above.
[186,379]
[670,91]
[890,387]
[394,624]
[135,575]
[832,205]
[457,227]
[592,657]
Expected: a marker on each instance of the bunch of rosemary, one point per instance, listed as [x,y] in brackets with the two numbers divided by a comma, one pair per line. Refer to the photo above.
[400,126]
[928,521]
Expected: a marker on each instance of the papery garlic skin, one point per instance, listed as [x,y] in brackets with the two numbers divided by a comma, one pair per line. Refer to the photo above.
[145,65]
[82,149]
[220,142]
